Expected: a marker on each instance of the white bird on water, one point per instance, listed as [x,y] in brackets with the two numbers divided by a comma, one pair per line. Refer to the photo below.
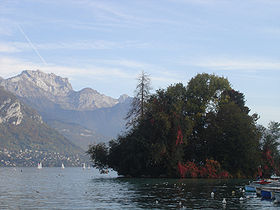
[212,194]
[156,201]
[224,201]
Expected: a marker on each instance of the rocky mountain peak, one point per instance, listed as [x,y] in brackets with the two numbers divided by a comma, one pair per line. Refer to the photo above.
[42,89]
[50,83]
[37,83]
[89,99]
[123,98]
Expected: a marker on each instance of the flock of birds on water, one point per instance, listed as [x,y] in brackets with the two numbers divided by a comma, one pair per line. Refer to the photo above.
[212,194]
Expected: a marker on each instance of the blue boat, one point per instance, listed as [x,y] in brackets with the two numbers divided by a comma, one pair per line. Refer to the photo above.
[266,194]
[250,188]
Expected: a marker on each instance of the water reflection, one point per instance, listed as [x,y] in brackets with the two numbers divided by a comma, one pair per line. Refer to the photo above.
[74,188]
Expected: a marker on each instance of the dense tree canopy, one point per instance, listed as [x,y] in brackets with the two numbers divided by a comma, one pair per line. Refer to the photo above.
[200,130]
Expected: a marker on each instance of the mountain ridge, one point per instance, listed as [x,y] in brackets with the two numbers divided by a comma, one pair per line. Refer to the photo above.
[35,84]
[62,108]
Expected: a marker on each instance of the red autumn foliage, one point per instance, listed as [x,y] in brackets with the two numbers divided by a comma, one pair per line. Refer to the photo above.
[268,165]
[211,169]
[179,139]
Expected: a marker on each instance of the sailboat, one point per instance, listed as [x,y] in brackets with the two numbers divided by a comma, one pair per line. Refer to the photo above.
[39,165]
[84,166]
[62,166]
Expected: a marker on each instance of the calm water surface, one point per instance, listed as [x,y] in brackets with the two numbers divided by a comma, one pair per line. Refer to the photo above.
[74,188]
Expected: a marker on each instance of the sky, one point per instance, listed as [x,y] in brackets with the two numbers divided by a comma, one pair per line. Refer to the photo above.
[105,44]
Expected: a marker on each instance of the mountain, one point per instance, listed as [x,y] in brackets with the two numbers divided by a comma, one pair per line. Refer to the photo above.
[55,89]
[77,134]
[22,129]
[63,108]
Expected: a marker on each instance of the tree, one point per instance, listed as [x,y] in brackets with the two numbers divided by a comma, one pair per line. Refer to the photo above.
[233,140]
[197,128]
[138,105]
[204,93]
[99,155]
[168,127]
[269,147]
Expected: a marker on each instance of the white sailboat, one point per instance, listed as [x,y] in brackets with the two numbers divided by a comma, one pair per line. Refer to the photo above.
[39,165]
[62,166]
[84,166]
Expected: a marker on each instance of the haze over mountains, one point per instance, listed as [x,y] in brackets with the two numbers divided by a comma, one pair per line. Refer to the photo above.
[84,116]
[25,139]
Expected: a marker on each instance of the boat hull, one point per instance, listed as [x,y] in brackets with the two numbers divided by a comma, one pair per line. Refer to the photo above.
[250,188]
[266,194]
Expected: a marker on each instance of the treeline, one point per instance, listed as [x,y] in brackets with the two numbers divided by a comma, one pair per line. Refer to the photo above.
[203,129]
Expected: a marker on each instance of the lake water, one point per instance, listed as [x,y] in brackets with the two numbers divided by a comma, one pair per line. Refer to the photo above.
[75,188]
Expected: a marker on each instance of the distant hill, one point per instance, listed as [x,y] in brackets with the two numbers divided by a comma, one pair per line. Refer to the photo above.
[63,108]
[22,128]
[77,134]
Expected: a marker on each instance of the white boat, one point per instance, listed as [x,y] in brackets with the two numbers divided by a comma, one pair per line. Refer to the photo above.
[84,166]
[39,165]
[62,166]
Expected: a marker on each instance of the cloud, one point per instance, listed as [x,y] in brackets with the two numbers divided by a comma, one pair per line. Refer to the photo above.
[121,70]
[124,63]
[74,45]
[8,48]
[110,12]
[222,63]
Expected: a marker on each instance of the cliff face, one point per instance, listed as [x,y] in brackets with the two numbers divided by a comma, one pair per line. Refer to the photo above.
[21,128]
[12,111]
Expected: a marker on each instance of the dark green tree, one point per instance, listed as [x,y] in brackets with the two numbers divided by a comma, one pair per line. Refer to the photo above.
[99,156]
[205,120]
[233,136]
[204,93]
[270,152]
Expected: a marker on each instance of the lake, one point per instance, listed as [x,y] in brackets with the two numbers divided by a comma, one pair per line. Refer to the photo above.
[75,188]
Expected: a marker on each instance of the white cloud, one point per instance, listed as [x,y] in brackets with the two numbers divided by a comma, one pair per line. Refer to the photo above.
[222,63]
[10,67]
[74,45]
[125,70]
[8,48]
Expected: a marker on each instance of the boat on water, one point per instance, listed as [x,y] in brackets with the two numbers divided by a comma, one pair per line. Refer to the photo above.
[250,188]
[40,166]
[255,186]
[62,166]
[266,194]
[265,188]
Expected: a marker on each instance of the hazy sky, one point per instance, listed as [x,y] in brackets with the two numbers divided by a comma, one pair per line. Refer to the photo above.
[105,44]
